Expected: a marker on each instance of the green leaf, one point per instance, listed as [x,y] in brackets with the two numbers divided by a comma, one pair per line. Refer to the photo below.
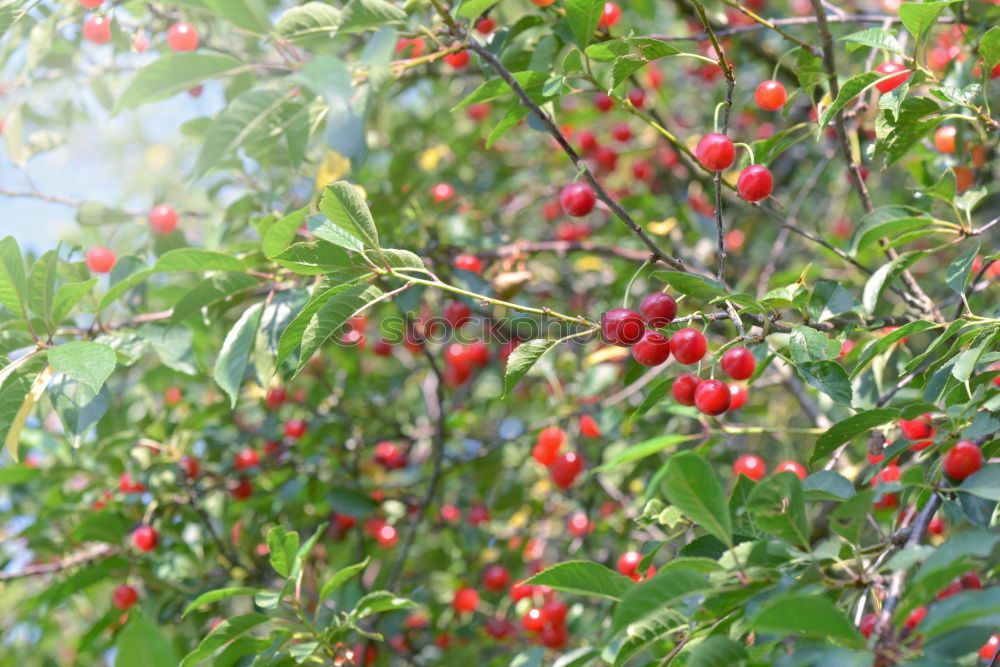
[806,615]
[471,9]
[659,444]
[497,88]
[13,282]
[828,300]
[779,509]
[377,602]
[143,644]
[808,344]
[42,284]
[247,14]
[13,138]
[691,284]
[282,548]
[86,362]
[877,38]
[583,17]
[333,314]
[918,17]
[966,362]
[175,73]
[847,429]
[970,607]
[234,356]
[690,483]
[829,377]
[250,112]
[340,578]
[324,229]
[885,222]
[316,258]
[883,276]
[848,91]
[209,291]
[827,485]
[67,296]
[960,271]
[308,20]
[885,342]
[344,206]
[985,483]
[662,590]
[215,596]
[224,633]
[173,345]
[360,15]
[522,359]
[716,650]
[196,259]
[281,234]
[989,47]
[584,577]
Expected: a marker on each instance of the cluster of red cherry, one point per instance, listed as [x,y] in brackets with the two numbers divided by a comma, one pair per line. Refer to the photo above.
[564,468]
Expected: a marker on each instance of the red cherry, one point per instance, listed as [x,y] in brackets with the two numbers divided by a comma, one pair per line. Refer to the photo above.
[519,591]
[390,455]
[577,199]
[415,46]
[936,526]
[91,4]
[465,599]
[621,326]
[496,578]
[970,581]
[276,397]
[140,42]
[182,37]
[124,597]
[579,525]
[606,158]
[457,314]
[382,347]
[534,619]
[688,346]
[246,458]
[551,439]
[97,29]
[770,95]
[712,397]
[684,387]
[478,514]
[737,398]
[652,349]
[891,83]
[553,636]
[589,427]
[642,170]
[944,138]
[477,353]
[621,132]
[637,96]
[868,624]
[565,469]
[189,465]
[755,183]
[750,465]
[890,473]
[917,429]
[469,263]
[792,467]
[172,396]
[555,611]
[457,60]
[610,16]
[915,617]
[715,152]
[450,513]
[949,590]
[456,355]
[587,140]
[738,363]
[478,112]
[295,428]
[127,485]
[603,102]
[962,460]
[100,259]
[498,628]
[658,309]
[442,192]
[485,26]
[163,219]
[145,538]
[990,648]
[628,564]
[387,536]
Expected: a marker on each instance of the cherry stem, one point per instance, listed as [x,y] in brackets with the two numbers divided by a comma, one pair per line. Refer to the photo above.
[715,122]
[777,65]
[631,281]
[748,149]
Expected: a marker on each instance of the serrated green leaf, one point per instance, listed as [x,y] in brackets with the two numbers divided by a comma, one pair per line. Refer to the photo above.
[175,73]
[583,17]
[308,20]
[234,356]
[340,578]
[215,596]
[332,315]
[808,616]
[245,115]
[583,578]
[849,428]
[918,17]
[690,483]
[87,362]
[522,359]
[960,271]
[13,281]
[345,207]
[849,90]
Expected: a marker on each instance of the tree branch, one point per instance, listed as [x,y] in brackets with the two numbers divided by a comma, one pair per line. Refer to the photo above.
[89,552]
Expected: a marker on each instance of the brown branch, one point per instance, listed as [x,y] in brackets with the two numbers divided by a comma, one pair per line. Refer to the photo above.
[89,552]
[773,25]
[561,247]
[796,20]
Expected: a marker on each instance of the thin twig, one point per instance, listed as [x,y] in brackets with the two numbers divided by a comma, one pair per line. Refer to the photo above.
[795,20]
[89,552]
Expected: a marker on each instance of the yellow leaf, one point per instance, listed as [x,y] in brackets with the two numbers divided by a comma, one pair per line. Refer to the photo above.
[333,167]
[431,157]
[662,227]
[588,263]
[34,395]
[609,353]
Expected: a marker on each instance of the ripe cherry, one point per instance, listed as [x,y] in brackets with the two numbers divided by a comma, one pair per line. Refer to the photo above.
[868,624]
[918,430]
[246,458]
[478,112]
[944,138]
[469,263]
[970,581]
[100,259]
[414,46]
[390,455]
[715,152]
[477,353]
[688,346]
[589,427]
[145,538]
[962,460]
[738,363]
[915,617]
[607,158]
[893,82]
[792,467]
[442,192]
[91,4]
[140,42]
[770,95]
[519,591]
[485,25]
[496,578]
[128,485]
[97,29]
[603,102]
[555,611]
[124,597]
[387,536]
[382,348]
[172,396]
[579,525]
[964,178]
[465,599]
[457,60]
[275,398]
[652,349]
[755,183]
[750,465]
[621,132]
[565,469]
[637,96]
[684,387]
[182,37]
[658,309]
[642,170]
[610,16]
[295,428]
[990,648]
[498,628]
[737,397]
[534,619]
[937,526]
[550,441]
[577,199]
[628,564]
[621,326]
[712,397]
[189,465]
[457,314]
[163,219]
[588,142]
